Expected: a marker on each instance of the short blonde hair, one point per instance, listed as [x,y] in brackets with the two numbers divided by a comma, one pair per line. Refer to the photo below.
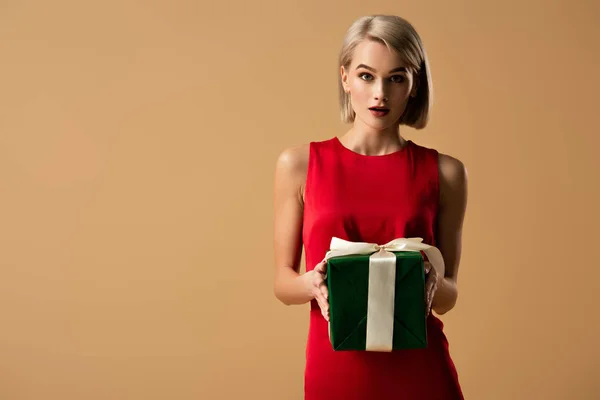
[397,34]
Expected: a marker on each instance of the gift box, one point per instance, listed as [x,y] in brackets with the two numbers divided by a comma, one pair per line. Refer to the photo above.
[377,294]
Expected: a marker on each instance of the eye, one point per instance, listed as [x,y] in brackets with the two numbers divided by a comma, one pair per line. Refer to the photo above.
[397,78]
[365,76]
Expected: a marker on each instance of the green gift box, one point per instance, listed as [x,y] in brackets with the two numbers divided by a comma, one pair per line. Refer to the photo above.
[377,294]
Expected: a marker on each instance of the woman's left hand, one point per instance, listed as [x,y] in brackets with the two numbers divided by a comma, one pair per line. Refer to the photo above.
[431,285]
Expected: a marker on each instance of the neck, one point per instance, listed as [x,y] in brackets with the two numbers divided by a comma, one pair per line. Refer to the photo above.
[368,141]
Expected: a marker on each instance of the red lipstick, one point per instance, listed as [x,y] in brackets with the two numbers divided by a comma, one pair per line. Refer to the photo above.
[379,111]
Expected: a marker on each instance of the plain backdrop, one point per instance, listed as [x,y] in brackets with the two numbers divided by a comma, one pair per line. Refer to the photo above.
[138,141]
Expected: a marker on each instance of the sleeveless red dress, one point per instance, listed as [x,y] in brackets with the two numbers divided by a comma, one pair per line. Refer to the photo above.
[372,199]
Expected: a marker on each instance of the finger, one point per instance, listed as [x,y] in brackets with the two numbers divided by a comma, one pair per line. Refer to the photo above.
[325,291]
[428,304]
[428,292]
[427,266]
[325,315]
[428,284]
[324,306]
[320,301]
[432,291]
[431,277]
[319,297]
[324,297]
[321,267]
[318,294]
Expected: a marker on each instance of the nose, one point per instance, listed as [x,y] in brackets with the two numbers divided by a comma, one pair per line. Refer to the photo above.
[379,92]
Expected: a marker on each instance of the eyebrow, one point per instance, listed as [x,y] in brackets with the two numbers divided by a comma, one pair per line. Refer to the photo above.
[399,69]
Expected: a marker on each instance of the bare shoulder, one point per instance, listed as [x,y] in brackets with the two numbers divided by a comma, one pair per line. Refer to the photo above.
[453,179]
[293,160]
[291,168]
[451,169]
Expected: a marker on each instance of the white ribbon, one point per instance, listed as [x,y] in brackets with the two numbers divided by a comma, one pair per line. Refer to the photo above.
[382,280]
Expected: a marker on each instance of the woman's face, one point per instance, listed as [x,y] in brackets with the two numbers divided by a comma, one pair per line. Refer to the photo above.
[379,84]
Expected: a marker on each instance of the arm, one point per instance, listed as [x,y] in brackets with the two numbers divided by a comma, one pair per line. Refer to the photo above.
[290,287]
[453,202]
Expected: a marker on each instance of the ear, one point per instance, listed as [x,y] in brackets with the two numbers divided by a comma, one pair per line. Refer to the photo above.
[344,77]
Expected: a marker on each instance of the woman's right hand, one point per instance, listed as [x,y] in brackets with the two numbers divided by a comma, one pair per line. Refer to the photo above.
[315,279]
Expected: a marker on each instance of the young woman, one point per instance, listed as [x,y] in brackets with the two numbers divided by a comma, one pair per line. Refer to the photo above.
[372,185]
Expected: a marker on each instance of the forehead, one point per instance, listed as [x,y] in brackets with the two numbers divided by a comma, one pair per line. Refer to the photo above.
[376,55]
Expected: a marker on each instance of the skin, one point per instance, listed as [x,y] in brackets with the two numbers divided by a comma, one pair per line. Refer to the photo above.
[375,77]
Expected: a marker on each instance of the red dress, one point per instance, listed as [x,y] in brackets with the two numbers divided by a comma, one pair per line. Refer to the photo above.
[372,199]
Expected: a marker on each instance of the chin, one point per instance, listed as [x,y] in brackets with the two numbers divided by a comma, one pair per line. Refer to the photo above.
[378,124]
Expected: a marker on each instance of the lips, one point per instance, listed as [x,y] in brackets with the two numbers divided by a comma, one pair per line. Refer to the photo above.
[379,111]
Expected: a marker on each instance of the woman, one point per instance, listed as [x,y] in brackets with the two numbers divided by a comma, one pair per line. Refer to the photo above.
[372,185]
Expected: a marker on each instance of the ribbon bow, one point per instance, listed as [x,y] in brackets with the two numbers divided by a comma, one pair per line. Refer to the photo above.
[340,247]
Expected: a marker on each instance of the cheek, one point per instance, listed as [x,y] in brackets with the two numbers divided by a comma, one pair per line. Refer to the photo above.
[401,92]
[401,101]
[359,91]
[400,96]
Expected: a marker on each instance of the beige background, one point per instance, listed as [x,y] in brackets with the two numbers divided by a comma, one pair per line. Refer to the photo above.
[137,148]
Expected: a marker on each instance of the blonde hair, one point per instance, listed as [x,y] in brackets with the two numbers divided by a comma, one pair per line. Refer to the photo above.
[397,34]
